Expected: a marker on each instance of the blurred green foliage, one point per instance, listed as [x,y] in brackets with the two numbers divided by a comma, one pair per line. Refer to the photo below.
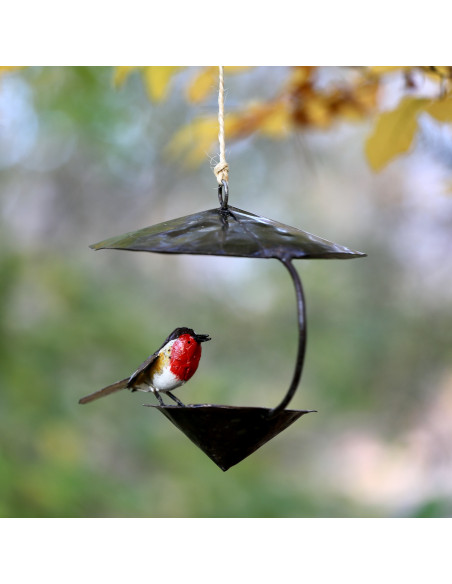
[378,361]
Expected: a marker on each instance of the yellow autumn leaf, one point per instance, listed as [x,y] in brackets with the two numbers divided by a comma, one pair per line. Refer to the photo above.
[234,125]
[272,119]
[317,111]
[193,142]
[157,79]
[350,111]
[441,110]
[121,74]
[358,102]
[203,84]
[389,69]
[277,123]
[206,82]
[237,68]
[196,141]
[394,132]
[300,76]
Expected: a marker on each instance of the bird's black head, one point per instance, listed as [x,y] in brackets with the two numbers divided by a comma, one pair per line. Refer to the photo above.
[199,338]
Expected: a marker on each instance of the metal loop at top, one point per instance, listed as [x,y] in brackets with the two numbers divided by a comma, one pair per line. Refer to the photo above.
[223,200]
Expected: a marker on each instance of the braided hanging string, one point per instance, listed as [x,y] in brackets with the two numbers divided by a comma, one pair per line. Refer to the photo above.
[221,170]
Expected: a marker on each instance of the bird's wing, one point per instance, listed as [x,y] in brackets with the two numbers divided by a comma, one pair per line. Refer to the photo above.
[154,356]
[142,367]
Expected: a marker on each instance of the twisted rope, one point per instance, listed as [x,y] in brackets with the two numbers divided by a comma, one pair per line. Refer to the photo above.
[221,170]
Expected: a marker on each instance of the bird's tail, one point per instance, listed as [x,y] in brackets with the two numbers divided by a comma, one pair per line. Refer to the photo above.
[104,391]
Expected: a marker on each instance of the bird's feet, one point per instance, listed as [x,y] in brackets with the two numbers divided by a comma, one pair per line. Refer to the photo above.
[173,397]
[159,397]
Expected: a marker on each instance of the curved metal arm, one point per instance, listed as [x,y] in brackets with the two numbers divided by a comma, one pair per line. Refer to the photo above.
[301,336]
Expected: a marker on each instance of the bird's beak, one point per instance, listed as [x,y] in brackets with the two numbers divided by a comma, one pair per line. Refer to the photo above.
[202,338]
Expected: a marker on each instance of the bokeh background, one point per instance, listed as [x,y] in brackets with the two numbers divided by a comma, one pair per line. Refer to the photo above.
[81,161]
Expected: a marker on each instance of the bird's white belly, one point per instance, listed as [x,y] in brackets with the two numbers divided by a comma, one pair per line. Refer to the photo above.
[166,380]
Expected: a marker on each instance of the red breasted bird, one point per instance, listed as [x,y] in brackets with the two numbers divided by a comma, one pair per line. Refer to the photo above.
[169,367]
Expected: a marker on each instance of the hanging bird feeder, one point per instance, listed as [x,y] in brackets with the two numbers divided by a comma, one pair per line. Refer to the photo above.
[228,434]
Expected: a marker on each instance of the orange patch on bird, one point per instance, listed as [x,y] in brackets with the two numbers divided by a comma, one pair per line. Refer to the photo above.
[161,362]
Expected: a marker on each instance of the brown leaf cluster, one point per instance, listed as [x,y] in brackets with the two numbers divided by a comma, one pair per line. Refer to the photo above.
[313,107]
[299,104]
